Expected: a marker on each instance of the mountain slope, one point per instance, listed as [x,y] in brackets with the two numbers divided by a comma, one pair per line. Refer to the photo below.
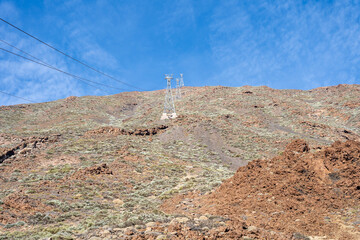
[109,161]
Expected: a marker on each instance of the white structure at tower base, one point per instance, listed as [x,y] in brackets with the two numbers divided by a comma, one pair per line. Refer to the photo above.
[165,116]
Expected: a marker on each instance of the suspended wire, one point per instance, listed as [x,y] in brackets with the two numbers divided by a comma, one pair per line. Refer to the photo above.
[3,41]
[48,65]
[69,74]
[17,97]
[84,64]
[59,70]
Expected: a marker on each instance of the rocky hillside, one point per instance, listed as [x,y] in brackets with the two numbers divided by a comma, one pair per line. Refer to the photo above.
[87,167]
[304,190]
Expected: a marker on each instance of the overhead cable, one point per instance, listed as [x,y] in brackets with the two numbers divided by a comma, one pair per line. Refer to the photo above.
[59,70]
[48,65]
[17,97]
[3,41]
[82,63]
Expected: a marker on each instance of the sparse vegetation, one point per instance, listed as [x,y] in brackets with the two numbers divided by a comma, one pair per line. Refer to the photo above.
[199,150]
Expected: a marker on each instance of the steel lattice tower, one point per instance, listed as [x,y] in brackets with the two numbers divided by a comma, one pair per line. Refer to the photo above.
[169,106]
[181,80]
[178,89]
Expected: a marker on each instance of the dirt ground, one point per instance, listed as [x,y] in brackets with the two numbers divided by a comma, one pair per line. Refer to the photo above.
[303,190]
[106,167]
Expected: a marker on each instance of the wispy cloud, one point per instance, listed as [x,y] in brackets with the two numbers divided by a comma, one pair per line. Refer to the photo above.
[29,80]
[284,42]
[83,34]
[7,9]
[176,15]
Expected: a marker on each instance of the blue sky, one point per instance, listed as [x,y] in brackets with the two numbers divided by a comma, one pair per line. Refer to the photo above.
[281,44]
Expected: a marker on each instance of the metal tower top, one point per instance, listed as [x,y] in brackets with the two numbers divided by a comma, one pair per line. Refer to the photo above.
[168,77]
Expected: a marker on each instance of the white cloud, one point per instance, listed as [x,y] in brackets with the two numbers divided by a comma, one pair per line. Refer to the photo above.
[32,81]
[176,15]
[8,10]
[29,80]
[25,79]
[80,36]
[286,41]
